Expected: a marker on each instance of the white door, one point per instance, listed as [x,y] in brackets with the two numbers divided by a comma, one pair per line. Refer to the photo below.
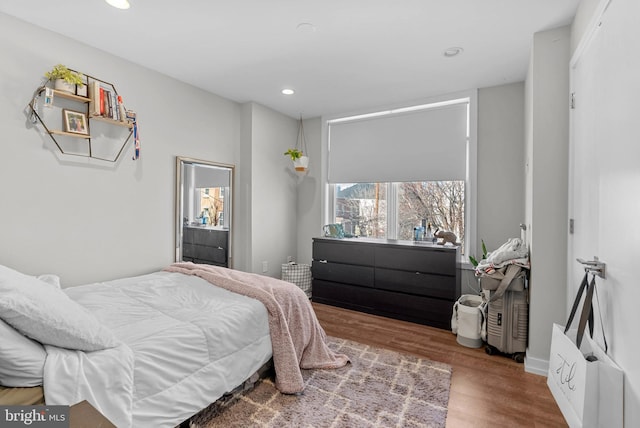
[584,169]
[604,182]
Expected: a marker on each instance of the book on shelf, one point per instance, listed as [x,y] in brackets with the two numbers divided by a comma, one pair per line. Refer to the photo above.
[102,101]
[105,102]
[108,109]
[122,114]
[114,104]
[94,98]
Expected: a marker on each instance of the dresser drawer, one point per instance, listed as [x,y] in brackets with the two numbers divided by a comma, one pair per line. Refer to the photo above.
[347,274]
[213,238]
[421,284]
[187,235]
[345,296]
[435,261]
[335,251]
[420,309]
[205,254]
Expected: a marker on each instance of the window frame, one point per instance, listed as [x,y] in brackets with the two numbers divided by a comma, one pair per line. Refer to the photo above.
[471,189]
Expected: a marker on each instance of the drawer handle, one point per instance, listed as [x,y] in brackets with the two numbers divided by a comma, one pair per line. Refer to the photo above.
[417,273]
[322,261]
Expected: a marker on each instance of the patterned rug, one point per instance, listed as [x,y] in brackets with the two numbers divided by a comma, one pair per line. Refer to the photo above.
[380,388]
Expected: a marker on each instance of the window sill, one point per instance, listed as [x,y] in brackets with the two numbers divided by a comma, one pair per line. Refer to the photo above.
[465,264]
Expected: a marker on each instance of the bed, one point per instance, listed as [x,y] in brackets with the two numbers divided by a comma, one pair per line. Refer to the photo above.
[155,349]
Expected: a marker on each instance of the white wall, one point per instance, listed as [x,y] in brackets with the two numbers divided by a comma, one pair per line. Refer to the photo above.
[500,170]
[90,221]
[547,136]
[309,192]
[273,190]
[242,208]
[500,164]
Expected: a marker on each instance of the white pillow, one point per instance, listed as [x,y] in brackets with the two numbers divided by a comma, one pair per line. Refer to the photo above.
[50,278]
[21,359]
[48,315]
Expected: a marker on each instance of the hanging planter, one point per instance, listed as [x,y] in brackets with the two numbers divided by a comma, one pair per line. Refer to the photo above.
[300,161]
[301,164]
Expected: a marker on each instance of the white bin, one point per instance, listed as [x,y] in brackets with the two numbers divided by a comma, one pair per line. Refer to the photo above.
[467,320]
[299,274]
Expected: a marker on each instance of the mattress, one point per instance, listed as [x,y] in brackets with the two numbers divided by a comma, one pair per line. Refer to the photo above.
[185,344]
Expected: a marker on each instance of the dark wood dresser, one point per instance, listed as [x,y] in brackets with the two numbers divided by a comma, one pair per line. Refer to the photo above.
[205,245]
[415,282]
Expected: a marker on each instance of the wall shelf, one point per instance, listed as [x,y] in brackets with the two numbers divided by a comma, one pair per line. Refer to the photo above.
[112,122]
[68,134]
[66,95]
[99,106]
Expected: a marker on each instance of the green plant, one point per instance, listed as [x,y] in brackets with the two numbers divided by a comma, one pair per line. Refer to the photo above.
[62,72]
[293,153]
[473,260]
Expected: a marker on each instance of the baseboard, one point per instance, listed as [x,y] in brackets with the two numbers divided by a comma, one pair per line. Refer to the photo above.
[535,365]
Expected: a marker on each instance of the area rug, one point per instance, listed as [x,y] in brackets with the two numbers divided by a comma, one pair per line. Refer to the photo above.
[380,388]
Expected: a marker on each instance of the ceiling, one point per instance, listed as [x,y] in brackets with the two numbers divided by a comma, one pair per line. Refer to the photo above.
[347,55]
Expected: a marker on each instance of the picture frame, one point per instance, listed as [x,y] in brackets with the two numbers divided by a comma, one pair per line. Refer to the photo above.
[82,90]
[75,122]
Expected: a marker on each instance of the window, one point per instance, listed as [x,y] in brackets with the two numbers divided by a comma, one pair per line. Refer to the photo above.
[205,197]
[361,208]
[440,203]
[211,206]
[386,171]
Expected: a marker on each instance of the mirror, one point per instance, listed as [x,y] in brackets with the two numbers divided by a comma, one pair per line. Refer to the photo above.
[204,195]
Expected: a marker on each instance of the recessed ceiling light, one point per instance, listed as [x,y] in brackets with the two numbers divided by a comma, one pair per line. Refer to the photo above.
[306,27]
[451,52]
[120,4]
[288,91]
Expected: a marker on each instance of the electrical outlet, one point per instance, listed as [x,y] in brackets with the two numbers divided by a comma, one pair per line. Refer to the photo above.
[265,266]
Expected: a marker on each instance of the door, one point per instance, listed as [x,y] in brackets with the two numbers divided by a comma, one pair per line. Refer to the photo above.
[584,173]
[604,185]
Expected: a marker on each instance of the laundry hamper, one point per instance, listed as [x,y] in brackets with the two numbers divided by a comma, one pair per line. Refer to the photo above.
[468,319]
[299,274]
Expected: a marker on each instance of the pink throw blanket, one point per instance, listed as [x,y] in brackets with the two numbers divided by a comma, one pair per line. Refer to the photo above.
[297,339]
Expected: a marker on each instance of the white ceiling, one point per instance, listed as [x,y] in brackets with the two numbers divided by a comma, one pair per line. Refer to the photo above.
[362,54]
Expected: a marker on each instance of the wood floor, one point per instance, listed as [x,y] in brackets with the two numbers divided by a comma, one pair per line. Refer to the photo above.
[486,390]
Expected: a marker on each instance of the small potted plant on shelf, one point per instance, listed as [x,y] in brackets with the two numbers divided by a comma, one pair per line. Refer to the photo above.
[300,162]
[65,79]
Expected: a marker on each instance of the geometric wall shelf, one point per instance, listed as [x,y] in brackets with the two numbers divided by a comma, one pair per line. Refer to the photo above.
[93,124]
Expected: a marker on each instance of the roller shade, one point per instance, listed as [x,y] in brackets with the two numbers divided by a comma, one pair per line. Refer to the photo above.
[208,176]
[422,145]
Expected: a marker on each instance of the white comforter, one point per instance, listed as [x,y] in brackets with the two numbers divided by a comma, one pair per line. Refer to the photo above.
[185,343]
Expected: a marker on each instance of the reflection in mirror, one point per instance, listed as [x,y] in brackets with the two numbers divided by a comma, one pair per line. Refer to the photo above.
[203,211]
